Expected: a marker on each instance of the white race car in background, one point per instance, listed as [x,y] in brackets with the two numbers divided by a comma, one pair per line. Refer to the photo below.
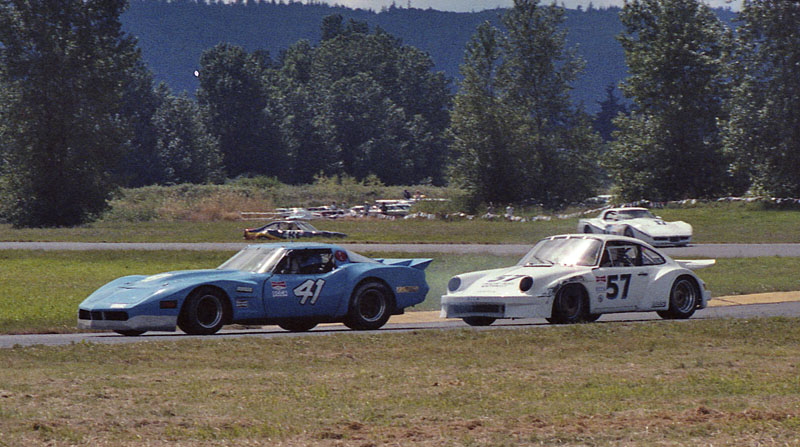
[639,223]
[576,278]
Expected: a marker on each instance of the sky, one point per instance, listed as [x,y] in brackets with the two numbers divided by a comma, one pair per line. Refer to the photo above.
[479,5]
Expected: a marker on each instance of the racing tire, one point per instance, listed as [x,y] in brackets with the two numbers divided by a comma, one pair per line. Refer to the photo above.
[129,332]
[570,305]
[629,232]
[370,307]
[297,325]
[587,229]
[203,313]
[479,321]
[683,299]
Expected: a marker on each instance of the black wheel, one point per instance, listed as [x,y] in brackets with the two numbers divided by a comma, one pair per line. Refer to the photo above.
[203,313]
[129,332]
[683,299]
[479,321]
[629,232]
[587,229]
[297,325]
[370,307]
[570,305]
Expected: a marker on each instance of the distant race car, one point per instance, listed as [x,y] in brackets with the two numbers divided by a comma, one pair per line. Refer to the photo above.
[288,229]
[576,278]
[293,285]
[639,223]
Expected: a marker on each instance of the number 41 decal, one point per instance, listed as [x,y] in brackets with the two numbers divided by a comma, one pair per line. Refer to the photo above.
[309,289]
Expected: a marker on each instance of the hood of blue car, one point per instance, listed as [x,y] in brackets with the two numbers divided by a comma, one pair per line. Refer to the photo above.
[131,290]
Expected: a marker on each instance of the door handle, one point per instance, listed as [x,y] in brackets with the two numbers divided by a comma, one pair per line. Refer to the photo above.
[643,274]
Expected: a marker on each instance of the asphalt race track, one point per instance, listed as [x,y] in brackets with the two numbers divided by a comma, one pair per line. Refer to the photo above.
[787,306]
[784,309]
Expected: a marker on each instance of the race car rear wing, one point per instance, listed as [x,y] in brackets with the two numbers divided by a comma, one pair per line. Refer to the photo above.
[696,264]
[417,263]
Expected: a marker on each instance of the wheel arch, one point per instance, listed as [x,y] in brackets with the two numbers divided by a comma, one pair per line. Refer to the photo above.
[572,283]
[694,282]
[367,279]
[226,301]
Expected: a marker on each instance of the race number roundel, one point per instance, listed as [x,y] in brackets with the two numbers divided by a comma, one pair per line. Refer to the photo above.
[341,256]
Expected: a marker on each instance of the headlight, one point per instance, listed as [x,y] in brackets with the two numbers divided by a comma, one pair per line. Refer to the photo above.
[526,283]
[454,284]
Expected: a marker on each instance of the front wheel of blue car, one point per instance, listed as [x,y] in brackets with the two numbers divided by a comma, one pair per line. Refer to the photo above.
[203,313]
[370,307]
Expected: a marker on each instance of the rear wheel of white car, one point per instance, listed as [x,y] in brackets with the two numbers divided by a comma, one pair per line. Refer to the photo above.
[683,299]
[129,332]
[570,305]
[370,307]
[297,325]
[203,313]
[479,321]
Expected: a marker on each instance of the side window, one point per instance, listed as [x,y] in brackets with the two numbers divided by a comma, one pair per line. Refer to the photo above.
[621,256]
[306,262]
[649,257]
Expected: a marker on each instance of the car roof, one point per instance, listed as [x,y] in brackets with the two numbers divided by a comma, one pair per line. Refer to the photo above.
[601,237]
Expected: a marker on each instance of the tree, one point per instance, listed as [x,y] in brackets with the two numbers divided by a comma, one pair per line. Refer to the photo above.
[64,64]
[610,107]
[362,104]
[481,144]
[670,146]
[763,133]
[513,116]
[186,152]
[234,95]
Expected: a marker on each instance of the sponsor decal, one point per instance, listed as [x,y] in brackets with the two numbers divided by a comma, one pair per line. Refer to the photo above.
[244,289]
[660,304]
[340,256]
[600,279]
[407,289]
[600,289]
[242,303]
[279,289]
[119,306]
[600,298]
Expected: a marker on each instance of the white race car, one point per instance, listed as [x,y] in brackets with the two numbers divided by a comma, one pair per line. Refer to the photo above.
[576,278]
[639,223]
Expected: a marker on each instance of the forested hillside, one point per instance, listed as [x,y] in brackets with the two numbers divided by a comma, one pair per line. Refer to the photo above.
[173,35]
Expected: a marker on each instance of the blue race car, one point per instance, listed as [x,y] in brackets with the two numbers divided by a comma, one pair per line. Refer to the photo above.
[293,285]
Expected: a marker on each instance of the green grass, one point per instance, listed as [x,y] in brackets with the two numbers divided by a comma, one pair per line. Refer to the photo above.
[721,382]
[42,290]
[713,223]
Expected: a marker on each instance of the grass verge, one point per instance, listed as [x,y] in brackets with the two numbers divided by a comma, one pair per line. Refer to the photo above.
[42,290]
[721,382]
[712,223]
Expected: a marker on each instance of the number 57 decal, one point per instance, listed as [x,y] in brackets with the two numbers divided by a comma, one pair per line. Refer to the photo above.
[614,282]
[310,289]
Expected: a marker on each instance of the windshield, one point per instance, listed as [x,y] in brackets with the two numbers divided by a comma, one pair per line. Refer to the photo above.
[633,214]
[564,251]
[254,259]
